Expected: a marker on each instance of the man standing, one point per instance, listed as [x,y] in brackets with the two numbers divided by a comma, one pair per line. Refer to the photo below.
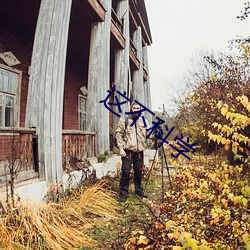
[131,141]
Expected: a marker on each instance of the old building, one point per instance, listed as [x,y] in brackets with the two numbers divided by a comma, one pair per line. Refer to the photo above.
[58,59]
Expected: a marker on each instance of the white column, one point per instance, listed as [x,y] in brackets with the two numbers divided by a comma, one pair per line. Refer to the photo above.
[122,70]
[147,91]
[138,74]
[99,79]
[45,95]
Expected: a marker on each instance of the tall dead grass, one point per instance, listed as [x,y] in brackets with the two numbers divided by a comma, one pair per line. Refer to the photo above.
[60,225]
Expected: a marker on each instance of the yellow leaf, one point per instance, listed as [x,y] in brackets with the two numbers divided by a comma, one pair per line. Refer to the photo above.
[228,115]
[244,100]
[176,234]
[245,191]
[176,248]
[142,240]
[169,224]
[223,111]
[170,236]
[191,243]
[227,220]
[223,141]
[215,124]
[246,239]
[137,232]
[224,202]
[184,199]
[185,218]
[204,242]
[248,107]
[231,196]
[227,147]
[201,211]
[238,98]
[219,138]
[184,236]
[133,240]
[245,202]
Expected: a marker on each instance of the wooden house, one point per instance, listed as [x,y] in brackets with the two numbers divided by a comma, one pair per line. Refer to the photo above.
[58,59]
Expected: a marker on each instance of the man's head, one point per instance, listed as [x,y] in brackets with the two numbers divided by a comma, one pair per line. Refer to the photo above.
[135,107]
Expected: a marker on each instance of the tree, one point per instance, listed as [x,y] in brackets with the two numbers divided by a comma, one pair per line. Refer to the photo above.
[234,135]
[220,78]
[246,12]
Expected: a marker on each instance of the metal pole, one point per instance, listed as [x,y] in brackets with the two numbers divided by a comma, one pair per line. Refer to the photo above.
[169,177]
[150,170]
[162,181]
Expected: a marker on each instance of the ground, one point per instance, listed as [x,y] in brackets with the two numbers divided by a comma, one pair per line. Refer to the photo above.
[207,209]
[136,213]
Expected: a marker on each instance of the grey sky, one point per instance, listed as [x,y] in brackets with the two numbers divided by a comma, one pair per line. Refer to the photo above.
[181,28]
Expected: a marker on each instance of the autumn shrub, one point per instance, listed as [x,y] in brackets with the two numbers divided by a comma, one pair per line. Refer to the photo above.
[234,133]
[218,78]
[208,208]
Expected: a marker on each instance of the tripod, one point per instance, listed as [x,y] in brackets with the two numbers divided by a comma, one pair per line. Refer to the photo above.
[162,170]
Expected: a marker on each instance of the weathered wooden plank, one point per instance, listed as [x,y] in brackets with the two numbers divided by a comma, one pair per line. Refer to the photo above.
[16,149]
[17,130]
[98,79]
[145,33]
[134,23]
[74,147]
[47,84]
[22,176]
[122,66]
[119,38]
[64,40]
[147,83]
[138,74]
[93,9]
[77,132]
[135,62]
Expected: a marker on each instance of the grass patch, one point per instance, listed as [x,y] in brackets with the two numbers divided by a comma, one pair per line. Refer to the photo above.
[62,225]
[135,216]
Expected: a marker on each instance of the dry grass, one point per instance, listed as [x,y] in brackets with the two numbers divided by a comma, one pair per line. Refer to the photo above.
[60,225]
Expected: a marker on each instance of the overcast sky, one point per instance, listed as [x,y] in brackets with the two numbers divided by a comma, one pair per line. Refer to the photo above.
[181,28]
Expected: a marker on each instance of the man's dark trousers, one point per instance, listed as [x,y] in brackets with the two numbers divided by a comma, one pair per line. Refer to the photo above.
[137,159]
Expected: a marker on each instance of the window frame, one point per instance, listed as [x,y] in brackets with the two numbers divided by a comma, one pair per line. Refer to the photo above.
[17,96]
[79,111]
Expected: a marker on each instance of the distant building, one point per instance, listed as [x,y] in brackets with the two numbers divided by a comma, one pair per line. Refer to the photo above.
[58,59]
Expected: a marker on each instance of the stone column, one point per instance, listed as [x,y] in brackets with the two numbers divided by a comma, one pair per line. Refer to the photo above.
[45,95]
[138,74]
[122,76]
[147,91]
[99,79]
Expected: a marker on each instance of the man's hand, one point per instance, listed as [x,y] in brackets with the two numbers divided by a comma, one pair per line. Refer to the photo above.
[122,152]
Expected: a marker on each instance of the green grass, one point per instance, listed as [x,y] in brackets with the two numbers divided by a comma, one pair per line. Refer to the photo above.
[136,216]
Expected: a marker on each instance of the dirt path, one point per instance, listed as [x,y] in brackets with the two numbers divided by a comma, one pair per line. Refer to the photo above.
[137,214]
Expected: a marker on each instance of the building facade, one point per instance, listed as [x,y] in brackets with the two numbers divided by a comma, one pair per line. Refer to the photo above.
[58,60]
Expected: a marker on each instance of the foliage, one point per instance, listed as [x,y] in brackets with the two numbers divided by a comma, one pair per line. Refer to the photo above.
[225,76]
[244,15]
[207,209]
[135,216]
[104,157]
[11,169]
[235,134]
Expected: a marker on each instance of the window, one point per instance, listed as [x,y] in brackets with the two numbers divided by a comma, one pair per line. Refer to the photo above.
[9,97]
[82,103]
